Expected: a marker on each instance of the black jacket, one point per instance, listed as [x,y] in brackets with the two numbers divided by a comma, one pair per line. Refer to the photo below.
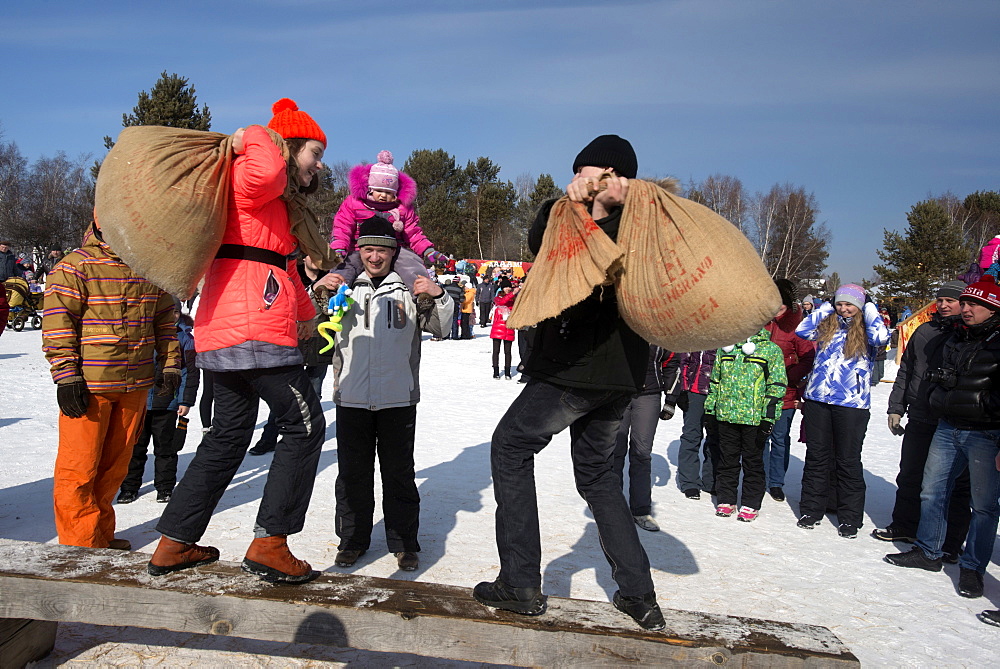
[588,345]
[8,265]
[925,350]
[971,399]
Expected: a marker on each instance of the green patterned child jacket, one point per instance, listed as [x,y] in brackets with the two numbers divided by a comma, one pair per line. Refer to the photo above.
[748,382]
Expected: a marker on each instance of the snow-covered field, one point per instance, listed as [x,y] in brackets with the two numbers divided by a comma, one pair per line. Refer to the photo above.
[888,616]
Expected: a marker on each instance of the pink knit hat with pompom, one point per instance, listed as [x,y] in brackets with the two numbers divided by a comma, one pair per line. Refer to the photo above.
[383,175]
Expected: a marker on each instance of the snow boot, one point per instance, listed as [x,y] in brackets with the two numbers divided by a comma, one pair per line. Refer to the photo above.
[808,522]
[407,560]
[848,531]
[269,558]
[990,617]
[970,583]
[499,595]
[346,557]
[891,533]
[725,510]
[171,556]
[914,558]
[127,496]
[747,514]
[642,608]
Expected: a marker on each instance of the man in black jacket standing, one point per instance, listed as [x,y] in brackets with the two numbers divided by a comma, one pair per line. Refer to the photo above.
[966,394]
[910,393]
[585,367]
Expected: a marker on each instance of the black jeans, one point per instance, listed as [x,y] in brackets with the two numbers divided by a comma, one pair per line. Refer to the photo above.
[740,447]
[835,435]
[161,427]
[635,439]
[290,395]
[593,416]
[389,433]
[906,511]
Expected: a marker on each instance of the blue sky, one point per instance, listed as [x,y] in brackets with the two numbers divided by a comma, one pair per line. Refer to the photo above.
[872,106]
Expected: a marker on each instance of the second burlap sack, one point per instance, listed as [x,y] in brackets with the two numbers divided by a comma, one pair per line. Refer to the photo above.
[687,279]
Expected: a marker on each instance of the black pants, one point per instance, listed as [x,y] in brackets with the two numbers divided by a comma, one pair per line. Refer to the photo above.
[906,512]
[835,435]
[207,397]
[541,411]
[506,354]
[740,447]
[361,435]
[161,427]
[484,313]
[465,322]
[290,396]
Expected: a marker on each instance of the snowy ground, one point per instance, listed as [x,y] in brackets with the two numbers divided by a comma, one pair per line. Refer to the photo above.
[767,569]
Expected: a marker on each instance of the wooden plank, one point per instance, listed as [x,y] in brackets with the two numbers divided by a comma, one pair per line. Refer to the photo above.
[64,583]
[23,641]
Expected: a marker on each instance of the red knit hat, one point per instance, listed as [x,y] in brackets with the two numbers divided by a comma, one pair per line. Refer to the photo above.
[289,122]
[985,292]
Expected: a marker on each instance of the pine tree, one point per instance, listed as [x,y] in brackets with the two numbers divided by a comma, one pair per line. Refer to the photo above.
[170,102]
[930,252]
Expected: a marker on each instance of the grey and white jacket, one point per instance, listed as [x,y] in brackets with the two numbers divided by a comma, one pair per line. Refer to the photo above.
[377,361]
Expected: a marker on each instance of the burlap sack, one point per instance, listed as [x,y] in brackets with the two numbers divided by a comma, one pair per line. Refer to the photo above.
[689,280]
[161,202]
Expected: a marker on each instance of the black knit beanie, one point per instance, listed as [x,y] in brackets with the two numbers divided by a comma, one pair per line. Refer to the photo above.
[609,151]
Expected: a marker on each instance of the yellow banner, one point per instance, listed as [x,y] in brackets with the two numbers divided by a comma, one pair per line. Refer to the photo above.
[906,328]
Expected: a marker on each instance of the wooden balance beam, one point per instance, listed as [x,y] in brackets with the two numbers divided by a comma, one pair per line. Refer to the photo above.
[46,582]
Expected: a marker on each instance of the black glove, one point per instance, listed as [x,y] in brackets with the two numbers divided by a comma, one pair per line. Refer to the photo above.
[709,422]
[667,412]
[765,428]
[73,396]
[168,383]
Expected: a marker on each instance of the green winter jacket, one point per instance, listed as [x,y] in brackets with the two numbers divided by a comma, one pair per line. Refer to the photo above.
[747,388]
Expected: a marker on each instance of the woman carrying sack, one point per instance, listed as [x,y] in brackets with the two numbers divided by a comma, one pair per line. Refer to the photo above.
[252,314]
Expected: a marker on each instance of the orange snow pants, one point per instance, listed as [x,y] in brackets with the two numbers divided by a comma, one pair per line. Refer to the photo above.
[93,457]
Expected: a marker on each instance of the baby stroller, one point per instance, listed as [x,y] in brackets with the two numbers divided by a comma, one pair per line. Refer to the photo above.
[24,305]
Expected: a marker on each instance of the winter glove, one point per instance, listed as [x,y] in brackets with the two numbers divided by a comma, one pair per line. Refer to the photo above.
[765,428]
[167,385]
[436,257]
[667,412]
[709,422]
[73,396]
[894,426]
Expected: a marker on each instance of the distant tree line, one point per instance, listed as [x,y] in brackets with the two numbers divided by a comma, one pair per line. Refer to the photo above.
[942,239]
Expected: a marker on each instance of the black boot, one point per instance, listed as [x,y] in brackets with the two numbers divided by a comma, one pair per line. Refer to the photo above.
[642,608]
[499,595]
[506,373]
[496,372]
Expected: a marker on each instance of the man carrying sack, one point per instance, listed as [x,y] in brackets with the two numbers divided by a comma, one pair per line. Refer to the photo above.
[585,367]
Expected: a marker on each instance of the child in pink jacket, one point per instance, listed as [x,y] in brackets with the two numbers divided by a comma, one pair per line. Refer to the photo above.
[382,190]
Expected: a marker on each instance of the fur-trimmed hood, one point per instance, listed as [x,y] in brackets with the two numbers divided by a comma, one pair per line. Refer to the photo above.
[358,184]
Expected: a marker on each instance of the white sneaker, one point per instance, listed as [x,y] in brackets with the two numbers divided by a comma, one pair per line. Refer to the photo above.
[647,523]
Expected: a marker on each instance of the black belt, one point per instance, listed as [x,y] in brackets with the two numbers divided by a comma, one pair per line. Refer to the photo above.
[240,252]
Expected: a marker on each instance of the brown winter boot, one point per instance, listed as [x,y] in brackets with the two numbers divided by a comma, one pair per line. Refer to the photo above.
[269,558]
[173,555]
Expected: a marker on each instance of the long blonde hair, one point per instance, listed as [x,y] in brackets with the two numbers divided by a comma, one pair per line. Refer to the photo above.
[856,344]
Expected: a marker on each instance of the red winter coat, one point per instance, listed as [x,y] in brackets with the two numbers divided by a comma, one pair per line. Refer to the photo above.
[500,315]
[234,327]
[799,353]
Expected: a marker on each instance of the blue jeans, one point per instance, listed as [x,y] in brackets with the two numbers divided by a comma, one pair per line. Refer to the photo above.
[951,451]
[541,411]
[778,449]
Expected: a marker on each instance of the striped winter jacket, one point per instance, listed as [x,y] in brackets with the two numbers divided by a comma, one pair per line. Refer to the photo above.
[103,322]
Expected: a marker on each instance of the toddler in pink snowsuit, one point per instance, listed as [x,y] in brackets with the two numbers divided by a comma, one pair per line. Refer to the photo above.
[382,190]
